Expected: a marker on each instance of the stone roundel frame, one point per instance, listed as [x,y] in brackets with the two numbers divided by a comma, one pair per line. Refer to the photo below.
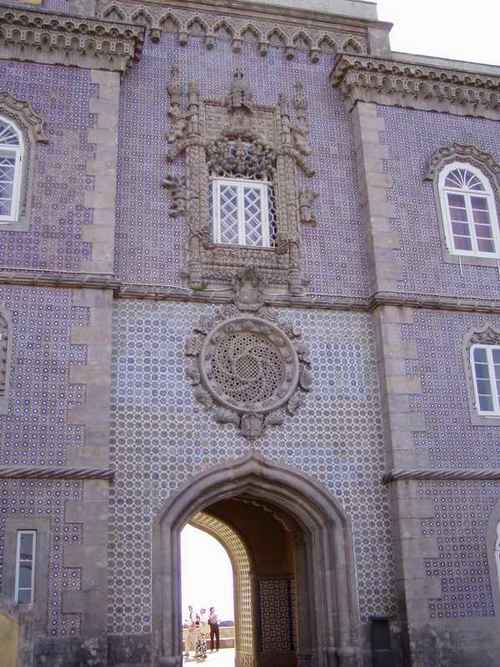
[286,346]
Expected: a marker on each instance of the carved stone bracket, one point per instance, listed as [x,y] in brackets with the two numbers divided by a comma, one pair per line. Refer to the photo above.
[57,39]
[237,138]
[464,153]
[263,31]
[246,367]
[22,112]
[416,86]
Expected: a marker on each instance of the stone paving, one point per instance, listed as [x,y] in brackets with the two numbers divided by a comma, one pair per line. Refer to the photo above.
[223,658]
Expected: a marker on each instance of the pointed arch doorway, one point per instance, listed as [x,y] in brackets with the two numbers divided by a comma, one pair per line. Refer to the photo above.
[313,548]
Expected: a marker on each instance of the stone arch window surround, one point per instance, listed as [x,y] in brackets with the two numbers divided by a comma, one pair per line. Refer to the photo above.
[330,615]
[487,336]
[238,138]
[29,126]
[483,167]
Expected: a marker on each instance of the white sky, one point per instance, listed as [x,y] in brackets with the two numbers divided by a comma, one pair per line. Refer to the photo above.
[445,28]
[207,574]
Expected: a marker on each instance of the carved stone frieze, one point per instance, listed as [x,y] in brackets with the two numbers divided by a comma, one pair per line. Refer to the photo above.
[57,39]
[464,153]
[416,86]
[237,138]
[264,32]
[244,366]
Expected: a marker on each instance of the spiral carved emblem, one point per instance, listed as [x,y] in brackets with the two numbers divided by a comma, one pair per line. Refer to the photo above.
[249,370]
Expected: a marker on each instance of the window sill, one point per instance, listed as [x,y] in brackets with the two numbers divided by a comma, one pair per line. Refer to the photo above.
[470,260]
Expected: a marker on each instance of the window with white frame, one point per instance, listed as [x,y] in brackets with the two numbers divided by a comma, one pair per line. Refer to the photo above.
[243,212]
[485,362]
[469,211]
[25,566]
[11,157]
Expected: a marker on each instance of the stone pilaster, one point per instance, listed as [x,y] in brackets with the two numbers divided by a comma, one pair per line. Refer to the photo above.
[92,511]
[103,169]
[402,421]
[374,184]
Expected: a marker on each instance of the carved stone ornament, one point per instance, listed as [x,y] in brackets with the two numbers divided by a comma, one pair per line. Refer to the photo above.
[464,153]
[50,38]
[23,114]
[264,32]
[486,336]
[245,367]
[416,86]
[237,138]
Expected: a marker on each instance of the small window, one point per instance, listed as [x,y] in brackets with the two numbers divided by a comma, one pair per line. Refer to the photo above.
[25,566]
[243,213]
[469,211]
[11,155]
[485,361]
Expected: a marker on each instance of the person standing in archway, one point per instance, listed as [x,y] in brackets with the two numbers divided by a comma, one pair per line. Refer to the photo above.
[213,621]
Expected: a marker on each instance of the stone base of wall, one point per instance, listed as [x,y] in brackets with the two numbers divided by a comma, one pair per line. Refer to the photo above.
[129,650]
[75,652]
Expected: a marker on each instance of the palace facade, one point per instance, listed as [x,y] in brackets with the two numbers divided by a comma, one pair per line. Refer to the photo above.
[249,280]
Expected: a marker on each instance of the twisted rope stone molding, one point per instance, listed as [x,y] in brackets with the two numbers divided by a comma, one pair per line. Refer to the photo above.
[465,474]
[389,82]
[54,472]
[49,38]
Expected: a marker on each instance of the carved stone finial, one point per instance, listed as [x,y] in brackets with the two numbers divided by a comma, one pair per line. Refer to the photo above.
[240,96]
[306,201]
[249,291]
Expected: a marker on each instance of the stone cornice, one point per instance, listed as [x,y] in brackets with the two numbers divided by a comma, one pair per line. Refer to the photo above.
[54,472]
[460,474]
[50,38]
[416,86]
[150,292]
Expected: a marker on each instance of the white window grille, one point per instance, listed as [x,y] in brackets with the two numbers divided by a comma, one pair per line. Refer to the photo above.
[243,213]
[25,566]
[469,211]
[11,157]
[485,361]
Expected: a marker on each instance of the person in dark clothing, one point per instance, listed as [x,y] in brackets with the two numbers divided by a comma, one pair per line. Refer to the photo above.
[213,622]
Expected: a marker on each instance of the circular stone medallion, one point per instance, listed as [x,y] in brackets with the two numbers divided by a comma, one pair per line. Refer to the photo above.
[249,364]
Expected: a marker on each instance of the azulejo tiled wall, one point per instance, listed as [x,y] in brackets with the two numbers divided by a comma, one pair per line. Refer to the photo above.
[150,244]
[61,96]
[161,437]
[412,138]
[35,430]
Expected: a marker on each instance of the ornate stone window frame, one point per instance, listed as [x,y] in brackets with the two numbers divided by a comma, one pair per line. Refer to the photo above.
[486,335]
[236,137]
[31,127]
[489,169]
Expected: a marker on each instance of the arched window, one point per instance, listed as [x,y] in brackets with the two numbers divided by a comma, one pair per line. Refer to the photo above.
[11,156]
[469,211]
